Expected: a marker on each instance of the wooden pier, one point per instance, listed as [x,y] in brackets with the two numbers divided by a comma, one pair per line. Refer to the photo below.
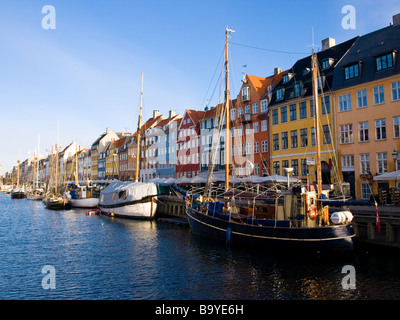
[171,206]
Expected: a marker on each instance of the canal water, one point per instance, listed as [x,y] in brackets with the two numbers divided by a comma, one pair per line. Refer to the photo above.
[48,254]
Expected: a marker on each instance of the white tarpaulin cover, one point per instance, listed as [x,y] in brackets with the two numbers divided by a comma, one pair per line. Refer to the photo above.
[127,191]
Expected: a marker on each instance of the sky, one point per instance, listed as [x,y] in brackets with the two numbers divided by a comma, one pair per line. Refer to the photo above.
[86,72]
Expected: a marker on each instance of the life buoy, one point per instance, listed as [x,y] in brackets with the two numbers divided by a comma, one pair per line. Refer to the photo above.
[312,212]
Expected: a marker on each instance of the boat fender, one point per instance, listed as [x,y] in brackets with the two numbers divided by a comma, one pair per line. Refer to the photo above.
[312,212]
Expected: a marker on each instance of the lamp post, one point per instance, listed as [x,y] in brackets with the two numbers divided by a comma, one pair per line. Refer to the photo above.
[288,170]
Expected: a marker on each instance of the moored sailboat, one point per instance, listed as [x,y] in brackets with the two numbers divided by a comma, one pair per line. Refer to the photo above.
[129,199]
[53,200]
[18,192]
[296,219]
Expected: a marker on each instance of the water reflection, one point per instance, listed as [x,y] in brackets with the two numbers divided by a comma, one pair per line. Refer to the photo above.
[99,257]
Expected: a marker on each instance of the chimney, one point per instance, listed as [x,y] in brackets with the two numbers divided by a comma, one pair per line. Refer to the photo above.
[172,113]
[156,113]
[396,19]
[328,43]
[107,130]
[277,71]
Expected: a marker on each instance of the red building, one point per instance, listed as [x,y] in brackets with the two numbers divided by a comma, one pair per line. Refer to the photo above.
[188,144]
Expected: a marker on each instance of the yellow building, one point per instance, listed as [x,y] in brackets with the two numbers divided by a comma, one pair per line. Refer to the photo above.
[291,114]
[367,105]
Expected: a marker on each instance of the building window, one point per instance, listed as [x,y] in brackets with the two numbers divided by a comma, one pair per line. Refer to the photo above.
[293,138]
[311,108]
[293,112]
[240,112]
[325,105]
[277,169]
[365,191]
[285,164]
[346,133]
[284,140]
[303,138]
[255,106]
[345,102]
[351,71]
[264,125]
[380,129]
[361,99]
[313,136]
[256,147]
[295,166]
[285,78]
[256,169]
[279,94]
[365,166]
[379,95]
[247,109]
[382,162]
[384,62]
[275,116]
[396,127]
[233,114]
[264,105]
[255,127]
[283,114]
[275,141]
[304,167]
[264,146]
[327,134]
[245,94]
[363,134]
[248,128]
[303,110]
[396,91]
[348,162]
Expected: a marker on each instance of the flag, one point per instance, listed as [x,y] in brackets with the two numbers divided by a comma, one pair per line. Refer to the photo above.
[378,221]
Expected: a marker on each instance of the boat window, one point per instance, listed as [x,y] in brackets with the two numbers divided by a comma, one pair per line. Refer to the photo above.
[122,195]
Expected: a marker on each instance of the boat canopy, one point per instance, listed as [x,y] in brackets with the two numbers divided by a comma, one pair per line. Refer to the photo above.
[125,191]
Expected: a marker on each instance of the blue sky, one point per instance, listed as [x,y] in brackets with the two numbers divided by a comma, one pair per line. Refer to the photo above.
[86,72]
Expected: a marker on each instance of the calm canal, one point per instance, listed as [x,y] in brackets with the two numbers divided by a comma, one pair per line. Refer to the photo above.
[98,257]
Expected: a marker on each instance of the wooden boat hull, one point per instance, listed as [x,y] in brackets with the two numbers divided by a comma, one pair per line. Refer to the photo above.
[18,195]
[34,197]
[85,203]
[320,239]
[57,204]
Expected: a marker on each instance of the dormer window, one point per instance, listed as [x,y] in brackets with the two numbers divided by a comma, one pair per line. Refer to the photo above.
[286,78]
[279,94]
[352,71]
[384,62]
[245,94]
[326,64]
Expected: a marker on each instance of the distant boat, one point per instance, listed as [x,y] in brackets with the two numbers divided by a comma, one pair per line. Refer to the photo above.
[82,197]
[131,199]
[54,202]
[35,193]
[18,192]
[51,200]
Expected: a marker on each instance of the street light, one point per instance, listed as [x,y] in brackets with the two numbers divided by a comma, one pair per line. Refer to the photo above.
[288,170]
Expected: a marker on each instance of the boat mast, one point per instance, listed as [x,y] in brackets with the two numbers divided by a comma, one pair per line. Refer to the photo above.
[228,33]
[138,133]
[316,121]
[56,164]
[76,165]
